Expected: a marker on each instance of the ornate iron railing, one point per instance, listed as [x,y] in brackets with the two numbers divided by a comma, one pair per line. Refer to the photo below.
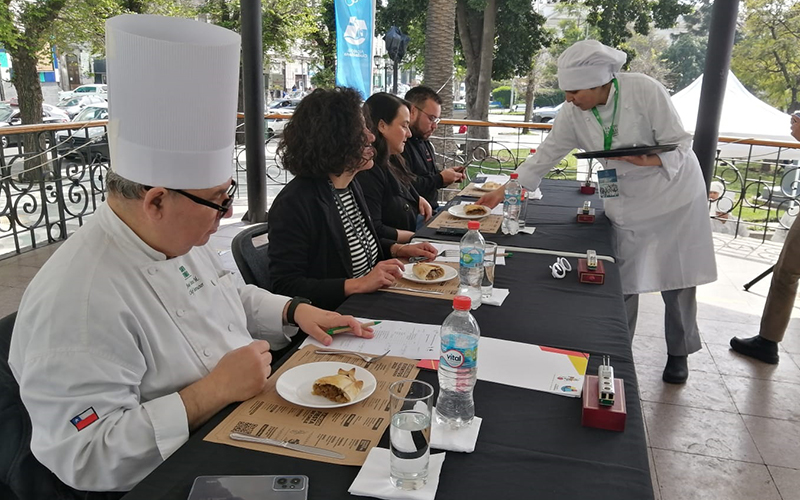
[53,176]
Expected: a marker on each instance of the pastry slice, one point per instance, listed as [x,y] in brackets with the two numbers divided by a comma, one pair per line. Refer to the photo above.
[475,210]
[490,185]
[428,272]
[340,388]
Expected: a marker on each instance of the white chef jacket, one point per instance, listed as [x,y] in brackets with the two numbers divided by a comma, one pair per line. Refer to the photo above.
[662,238]
[111,326]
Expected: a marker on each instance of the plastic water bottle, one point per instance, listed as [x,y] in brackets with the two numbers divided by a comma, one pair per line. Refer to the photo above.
[511,205]
[458,366]
[470,269]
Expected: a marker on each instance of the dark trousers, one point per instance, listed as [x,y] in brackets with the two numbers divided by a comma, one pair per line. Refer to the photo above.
[680,320]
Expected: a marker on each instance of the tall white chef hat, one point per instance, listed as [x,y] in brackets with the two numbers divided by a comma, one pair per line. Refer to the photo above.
[716,187]
[588,64]
[172,94]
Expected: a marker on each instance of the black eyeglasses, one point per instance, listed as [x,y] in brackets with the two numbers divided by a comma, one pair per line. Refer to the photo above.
[433,119]
[222,208]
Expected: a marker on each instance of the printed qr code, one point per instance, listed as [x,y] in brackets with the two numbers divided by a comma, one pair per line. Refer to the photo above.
[244,427]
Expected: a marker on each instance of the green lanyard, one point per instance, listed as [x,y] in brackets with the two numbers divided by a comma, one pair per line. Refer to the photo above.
[607,136]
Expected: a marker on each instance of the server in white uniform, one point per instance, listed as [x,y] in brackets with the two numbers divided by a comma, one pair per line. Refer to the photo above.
[132,334]
[660,218]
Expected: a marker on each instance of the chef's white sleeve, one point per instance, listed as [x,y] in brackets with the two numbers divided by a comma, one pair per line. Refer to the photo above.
[559,143]
[264,312]
[89,426]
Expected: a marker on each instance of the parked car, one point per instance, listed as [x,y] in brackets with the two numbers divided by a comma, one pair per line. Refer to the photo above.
[95,88]
[10,116]
[459,110]
[282,105]
[274,126]
[545,114]
[75,104]
[71,143]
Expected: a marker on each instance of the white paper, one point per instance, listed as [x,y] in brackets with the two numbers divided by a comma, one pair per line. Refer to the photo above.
[530,367]
[373,478]
[455,249]
[527,230]
[498,178]
[498,297]
[409,340]
[463,439]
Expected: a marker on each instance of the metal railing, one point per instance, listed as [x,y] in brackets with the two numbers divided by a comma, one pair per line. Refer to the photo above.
[53,176]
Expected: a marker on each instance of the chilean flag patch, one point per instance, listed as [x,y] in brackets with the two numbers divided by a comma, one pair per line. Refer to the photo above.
[89,416]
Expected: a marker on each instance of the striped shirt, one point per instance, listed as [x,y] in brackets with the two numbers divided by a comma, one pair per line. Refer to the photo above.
[359,237]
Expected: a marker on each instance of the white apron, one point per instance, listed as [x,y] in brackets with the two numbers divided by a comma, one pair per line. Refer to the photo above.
[662,238]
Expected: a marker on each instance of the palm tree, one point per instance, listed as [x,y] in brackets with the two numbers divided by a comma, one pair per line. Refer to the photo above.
[439,50]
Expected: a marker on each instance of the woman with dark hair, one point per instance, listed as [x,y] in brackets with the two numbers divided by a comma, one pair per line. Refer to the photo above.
[393,202]
[322,244]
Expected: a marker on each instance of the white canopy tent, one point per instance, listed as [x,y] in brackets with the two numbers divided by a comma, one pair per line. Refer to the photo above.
[743,115]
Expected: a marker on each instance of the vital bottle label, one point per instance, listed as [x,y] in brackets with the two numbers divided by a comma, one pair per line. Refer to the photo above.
[512,199]
[471,257]
[459,358]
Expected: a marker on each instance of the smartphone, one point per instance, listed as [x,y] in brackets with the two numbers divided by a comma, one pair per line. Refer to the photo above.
[480,179]
[250,488]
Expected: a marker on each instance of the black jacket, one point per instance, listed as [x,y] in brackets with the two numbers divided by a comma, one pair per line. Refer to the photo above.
[421,161]
[392,205]
[308,251]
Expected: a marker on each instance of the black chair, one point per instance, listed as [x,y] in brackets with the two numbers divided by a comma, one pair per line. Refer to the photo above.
[252,261]
[22,477]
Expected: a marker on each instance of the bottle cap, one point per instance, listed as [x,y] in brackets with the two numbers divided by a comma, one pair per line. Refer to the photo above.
[514,175]
[473,224]
[462,303]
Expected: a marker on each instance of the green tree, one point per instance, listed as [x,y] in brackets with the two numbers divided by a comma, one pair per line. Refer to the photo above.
[649,60]
[686,56]
[615,18]
[766,58]
[322,43]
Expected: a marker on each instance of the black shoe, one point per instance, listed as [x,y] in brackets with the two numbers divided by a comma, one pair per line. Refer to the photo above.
[677,370]
[757,347]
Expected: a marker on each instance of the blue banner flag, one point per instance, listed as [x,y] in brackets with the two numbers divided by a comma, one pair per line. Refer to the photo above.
[355,23]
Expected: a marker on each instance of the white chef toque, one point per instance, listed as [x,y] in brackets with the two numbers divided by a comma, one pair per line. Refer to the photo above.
[588,64]
[716,187]
[172,94]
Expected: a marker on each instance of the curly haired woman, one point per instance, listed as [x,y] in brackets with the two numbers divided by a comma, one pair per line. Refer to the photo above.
[322,243]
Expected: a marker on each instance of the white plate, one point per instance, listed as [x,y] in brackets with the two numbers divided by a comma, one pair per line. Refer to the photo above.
[449,273]
[458,211]
[297,384]
[480,187]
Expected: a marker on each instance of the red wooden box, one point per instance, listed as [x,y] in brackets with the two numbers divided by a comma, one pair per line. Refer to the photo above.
[586,218]
[585,275]
[611,418]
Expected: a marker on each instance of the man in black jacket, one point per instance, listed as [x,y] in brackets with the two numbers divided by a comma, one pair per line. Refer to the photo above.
[426,107]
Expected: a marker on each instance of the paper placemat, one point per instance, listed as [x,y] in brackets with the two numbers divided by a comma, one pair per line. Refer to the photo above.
[447,290]
[490,224]
[352,431]
[471,190]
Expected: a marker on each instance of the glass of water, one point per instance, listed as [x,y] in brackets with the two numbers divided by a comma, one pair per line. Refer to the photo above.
[489,260]
[410,407]
[523,208]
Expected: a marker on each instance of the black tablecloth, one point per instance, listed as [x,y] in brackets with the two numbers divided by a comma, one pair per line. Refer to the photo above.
[557,229]
[531,444]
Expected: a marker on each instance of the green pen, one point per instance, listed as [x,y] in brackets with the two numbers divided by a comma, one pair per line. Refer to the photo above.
[346,329]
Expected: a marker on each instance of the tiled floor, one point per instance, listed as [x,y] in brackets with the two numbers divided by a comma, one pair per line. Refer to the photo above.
[731,433]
